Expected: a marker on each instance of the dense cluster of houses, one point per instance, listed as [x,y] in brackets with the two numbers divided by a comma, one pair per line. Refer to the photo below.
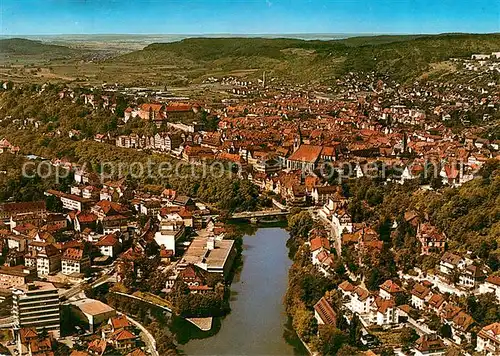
[290,142]
[403,303]
[99,233]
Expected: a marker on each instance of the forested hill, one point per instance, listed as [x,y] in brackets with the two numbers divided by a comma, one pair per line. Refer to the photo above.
[402,57]
[20,48]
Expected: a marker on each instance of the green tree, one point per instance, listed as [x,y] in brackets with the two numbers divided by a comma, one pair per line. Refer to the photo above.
[304,324]
[300,224]
[408,336]
[330,339]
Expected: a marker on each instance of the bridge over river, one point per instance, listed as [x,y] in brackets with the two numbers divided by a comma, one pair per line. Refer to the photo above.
[255,215]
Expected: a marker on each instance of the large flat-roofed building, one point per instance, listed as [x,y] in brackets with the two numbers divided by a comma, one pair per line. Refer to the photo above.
[36,305]
[90,313]
[211,255]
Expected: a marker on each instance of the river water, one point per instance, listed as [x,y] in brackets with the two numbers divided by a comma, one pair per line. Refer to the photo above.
[257,324]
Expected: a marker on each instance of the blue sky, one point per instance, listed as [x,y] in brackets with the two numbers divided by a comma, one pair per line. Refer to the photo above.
[25,17]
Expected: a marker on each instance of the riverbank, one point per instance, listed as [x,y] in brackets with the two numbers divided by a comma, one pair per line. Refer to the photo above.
[257,323]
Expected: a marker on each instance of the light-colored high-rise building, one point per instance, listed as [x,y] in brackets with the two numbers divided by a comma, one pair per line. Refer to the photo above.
[37,305]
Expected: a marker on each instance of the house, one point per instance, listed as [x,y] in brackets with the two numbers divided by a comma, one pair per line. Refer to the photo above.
[472,276]
[342,221]
[46,259]
[113,190]
[109,245]
[420,295]
[389,290]
[491,285]
[361,301]
[449,311]
[55,222]
[324,313]
[74,261]
[170,231]
[429,345]
[151,112]
[195,279]
[15,276]
[384,311]
[317,245]
[461,327]
[324,261]
[211,255]
[436,303]
[119,322]
[99,347]
[27,335]
[450,263]
[70,201]
[17,243]
[488,340]
[150,207]
[122,340]
[321,195]
[41,346]
[347,289]
[105,208]
[10,209]
[431,240]
[84,220]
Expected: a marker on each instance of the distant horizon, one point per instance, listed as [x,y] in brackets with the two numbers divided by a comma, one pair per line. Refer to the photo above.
[325,34]
[241,17]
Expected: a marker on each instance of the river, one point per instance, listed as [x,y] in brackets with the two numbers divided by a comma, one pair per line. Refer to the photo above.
[257,324]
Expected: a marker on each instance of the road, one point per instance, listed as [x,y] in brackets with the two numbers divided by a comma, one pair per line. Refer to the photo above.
[150,340]
[79,287]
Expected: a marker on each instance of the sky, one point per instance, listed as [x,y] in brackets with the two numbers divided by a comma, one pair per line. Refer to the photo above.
[44,17]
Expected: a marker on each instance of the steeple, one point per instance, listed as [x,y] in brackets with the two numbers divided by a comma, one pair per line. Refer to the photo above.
[298,139]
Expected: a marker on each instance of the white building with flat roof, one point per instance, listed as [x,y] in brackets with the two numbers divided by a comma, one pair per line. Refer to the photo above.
[210,254]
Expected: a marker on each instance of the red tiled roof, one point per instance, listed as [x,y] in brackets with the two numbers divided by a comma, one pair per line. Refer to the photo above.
[420,291]
[429,344]
[86,217]
[73,254]
[320,242]
[98,346]
[346,286]
[325,311]
[306,153]
[122,335]
[494,280]
[384,304]
[492,328]
[107,240]
[136,352]
[119,322]
[390,287]
[463,321]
